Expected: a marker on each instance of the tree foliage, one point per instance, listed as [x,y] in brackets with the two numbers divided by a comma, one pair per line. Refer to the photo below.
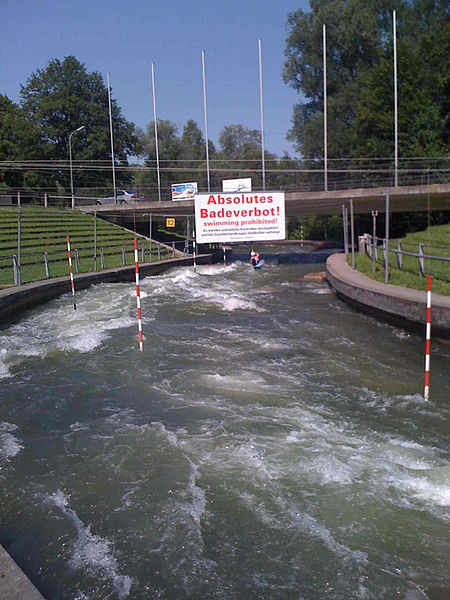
[360,77]
[19,140]
[65,96]
[183,158]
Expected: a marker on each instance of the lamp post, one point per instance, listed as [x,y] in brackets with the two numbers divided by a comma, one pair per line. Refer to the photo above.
[70,161]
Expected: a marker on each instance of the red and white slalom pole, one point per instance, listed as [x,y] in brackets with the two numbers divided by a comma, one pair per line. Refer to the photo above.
[428,339]
[138,295]
[71,272]
[194,250]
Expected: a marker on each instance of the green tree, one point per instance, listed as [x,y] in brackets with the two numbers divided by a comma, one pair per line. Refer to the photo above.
[182,158]
[356,32]
[19,140]
[240,153]
[65,96]
[193,150]
[423,90]
[237,142]
[360,77]
[192,142]
[169,151]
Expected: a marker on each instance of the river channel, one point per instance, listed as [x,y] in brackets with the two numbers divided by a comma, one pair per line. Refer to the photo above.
[269,443]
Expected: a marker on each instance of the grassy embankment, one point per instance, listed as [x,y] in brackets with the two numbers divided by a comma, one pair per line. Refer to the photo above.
[45,230]
[436,242]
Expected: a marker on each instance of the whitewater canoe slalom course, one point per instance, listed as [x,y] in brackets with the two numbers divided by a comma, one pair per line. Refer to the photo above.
[268,443]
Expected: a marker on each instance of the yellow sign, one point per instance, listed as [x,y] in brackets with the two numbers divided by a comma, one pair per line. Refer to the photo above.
[170,222]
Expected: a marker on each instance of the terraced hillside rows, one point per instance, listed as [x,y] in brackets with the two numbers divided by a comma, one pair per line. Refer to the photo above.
[43,238]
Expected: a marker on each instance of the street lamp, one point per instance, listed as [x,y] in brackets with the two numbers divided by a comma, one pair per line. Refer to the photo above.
[70,160]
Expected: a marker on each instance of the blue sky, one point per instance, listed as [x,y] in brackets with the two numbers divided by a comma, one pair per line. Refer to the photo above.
[125,37]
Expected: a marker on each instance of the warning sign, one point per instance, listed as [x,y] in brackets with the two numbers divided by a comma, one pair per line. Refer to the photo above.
[170,222]
[239,217]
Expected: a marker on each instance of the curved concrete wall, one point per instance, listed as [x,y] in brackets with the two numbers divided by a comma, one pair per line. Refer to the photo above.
[399,306]
[15,300]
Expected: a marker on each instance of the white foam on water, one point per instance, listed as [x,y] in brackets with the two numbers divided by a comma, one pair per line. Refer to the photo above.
[320,291]
[58,327]
[289,516]
[217,269]
[311,525]
[10,445]
[4,371]
[432,486]
[91,552]
[198,498]
[206,287]
[332,470]
[241,382]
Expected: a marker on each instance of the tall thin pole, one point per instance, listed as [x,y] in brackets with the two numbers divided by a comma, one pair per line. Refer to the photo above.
[156,131]
[95,240]
[19,231]
[194,250]
[70,164]
[72,285]
[138,295]
[263,164]
[386,243]
[112,138]
[427,341]
[206,121]
[325,134]
[352,232]
[150,228]
[395,101]
[374,238]
[345,226]
[71,172]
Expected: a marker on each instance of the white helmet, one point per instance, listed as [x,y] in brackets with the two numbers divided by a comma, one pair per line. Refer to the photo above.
[252,253]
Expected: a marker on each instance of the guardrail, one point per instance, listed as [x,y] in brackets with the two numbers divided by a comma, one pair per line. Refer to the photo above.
[289,175]
[377,248]
[101,258]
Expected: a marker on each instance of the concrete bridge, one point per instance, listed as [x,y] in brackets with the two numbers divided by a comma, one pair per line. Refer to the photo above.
[401,199]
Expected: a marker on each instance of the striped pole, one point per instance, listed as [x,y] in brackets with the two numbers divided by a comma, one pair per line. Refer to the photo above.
[194,251]
[71,273]
[138,295]
[428,338]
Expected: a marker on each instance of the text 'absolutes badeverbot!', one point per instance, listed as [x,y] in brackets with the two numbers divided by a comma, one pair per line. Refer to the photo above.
[240,217]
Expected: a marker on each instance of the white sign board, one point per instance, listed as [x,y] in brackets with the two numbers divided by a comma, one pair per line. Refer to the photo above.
[239,217]
[184,191]
[237,185]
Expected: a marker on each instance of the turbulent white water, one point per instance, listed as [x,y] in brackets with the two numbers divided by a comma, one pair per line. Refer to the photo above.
[268,443]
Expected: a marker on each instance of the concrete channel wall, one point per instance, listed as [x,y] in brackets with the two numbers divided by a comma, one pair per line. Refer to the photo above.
[399,306]
[15,300]
[14,585]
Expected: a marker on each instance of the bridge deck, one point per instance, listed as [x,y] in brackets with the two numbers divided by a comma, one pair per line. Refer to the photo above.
[402,199]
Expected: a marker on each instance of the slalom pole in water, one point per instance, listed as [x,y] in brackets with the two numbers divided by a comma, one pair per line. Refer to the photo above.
[138,295]
[428,339]
[72,285]
[194,250]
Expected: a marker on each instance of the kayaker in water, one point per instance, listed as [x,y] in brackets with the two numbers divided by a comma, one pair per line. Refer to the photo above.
[254,258]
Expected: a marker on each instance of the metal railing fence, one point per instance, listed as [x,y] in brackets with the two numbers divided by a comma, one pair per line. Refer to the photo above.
[408,260]
[281,174]
[34,266]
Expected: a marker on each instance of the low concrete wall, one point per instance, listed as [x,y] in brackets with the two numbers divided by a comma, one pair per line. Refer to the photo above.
[14,585]
[15,300]
[397,305]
